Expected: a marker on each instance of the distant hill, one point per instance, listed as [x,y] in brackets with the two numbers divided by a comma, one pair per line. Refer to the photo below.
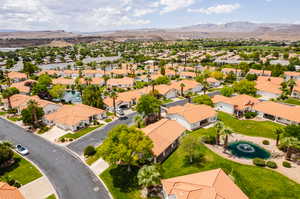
[233,30]
[6,34]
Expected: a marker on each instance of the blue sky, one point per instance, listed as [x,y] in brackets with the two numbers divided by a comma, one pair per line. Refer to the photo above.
[99,15]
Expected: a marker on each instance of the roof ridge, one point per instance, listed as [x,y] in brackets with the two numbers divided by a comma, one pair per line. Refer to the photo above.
[219,171]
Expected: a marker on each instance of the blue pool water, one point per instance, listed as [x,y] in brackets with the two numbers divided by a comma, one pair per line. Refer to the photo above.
[72,96]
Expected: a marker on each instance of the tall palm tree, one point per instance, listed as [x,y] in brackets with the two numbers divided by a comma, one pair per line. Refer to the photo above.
[78,85]
[182,85]
[114,96]
[88,80]
[153,83]
[226,132]
[290,143]
[205,85]
[139,121]
[291,83]
[34,105]
[219,128]
[278,132]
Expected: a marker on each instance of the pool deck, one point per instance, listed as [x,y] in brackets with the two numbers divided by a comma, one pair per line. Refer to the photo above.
[292,173]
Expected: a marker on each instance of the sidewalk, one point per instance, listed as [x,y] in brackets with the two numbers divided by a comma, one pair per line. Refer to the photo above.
[99,166]
[38,189]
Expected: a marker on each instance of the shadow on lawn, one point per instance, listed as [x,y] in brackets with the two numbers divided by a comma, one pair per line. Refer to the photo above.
[124,180]
[15,165]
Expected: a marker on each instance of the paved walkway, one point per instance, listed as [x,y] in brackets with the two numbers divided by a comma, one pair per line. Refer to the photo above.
[53,134]
[99,166]
[38,189]
[292,173]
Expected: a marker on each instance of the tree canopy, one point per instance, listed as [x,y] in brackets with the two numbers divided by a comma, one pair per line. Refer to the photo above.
[92,96]
[57,91]
[245,87]
[203,99]
[148,105]
[227,91]
[32,114]
[126,145]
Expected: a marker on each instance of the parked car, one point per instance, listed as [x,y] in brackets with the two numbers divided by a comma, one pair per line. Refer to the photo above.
[22,150]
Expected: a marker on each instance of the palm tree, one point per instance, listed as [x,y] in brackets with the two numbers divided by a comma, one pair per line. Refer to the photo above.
[278,132]
[182,85]
[139,121]
[226,132]
[291,83]
[205,86]
[78,85]
[219,128]
[34,105]
[88,80]
[114,96]
[148,176]
[290,143]
[153,83]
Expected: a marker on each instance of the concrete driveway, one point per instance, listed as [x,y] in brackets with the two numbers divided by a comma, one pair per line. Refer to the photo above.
[70,177]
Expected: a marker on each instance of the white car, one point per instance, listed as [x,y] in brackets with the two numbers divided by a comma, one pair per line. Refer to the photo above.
[22,150]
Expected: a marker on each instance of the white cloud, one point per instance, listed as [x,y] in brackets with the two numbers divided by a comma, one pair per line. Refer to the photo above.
[79,15]
[218,9]
[172,5]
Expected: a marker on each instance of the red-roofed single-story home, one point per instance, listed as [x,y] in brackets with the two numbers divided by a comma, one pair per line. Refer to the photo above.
[74,117]
[9,192]
[16,76]
[192,116]
[278,112]
[212,184]
[237,105]
[165,135]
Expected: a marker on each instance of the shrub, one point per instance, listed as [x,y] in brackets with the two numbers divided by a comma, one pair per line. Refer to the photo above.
[250,115]
[62,139]
[12,111]
[266,142]
[89,151]
[209,139]
[271,164]
[286,164]
[108,120]
[259,162]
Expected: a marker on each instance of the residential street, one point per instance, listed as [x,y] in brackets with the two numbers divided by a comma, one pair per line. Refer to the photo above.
[71,178]
[95,138]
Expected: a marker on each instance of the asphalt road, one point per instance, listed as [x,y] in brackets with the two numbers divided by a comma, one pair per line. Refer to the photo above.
[96,138]
[71,178]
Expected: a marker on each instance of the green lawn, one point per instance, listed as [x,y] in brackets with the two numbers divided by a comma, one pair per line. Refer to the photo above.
[80,133]
[121,184]
[51,197]
[91,159]
[15,119]
[292,101]
[2,113]
[250,127]
[22,171]
[256,182]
